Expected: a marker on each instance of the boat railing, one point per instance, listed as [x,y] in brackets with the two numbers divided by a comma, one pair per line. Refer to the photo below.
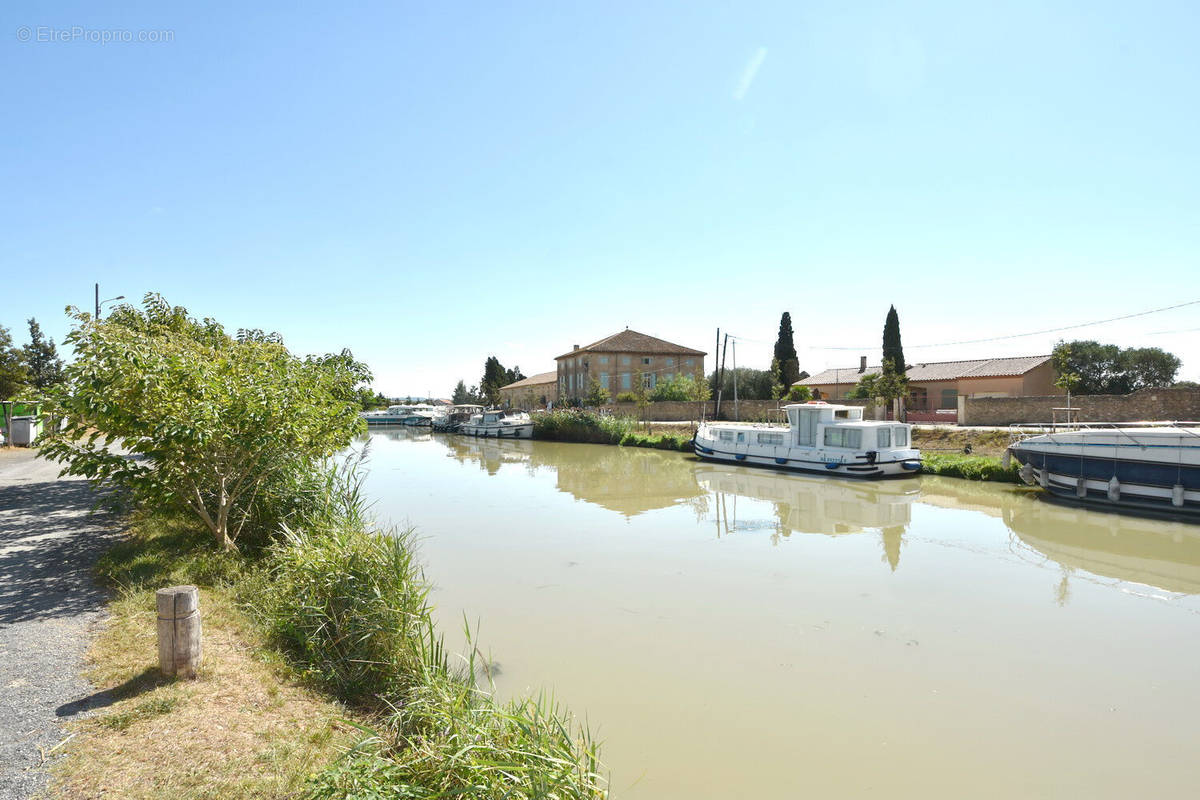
[1018,432]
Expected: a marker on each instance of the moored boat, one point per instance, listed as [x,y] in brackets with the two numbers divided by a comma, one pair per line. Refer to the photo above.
[455,417]
[500,424]
[819,437]
[1138,466]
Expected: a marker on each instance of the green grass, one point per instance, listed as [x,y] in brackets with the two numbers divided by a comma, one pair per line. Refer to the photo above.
[973,468]
[662,441]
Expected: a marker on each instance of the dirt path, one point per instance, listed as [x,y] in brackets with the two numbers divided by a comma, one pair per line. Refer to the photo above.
[48,605]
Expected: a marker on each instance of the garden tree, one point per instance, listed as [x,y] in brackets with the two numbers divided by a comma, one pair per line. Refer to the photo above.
[641,393]
[514,375]
[785,354]
[459,396]
[369,399]
[596,395]
[892,349]
[752,384]
[1107,369]
[13,373]
[494,376]
[891,383]
[41,359]
[865,388]
[215,424]
[673,389]
[799,394]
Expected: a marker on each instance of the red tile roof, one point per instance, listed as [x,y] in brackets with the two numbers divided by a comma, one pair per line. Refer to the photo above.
[937,370]
[534,380]
[628,341]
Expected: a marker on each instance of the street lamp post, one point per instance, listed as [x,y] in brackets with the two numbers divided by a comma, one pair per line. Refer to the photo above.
[109,300]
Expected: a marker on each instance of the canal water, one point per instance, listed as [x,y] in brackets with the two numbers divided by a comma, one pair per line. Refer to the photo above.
[735,632]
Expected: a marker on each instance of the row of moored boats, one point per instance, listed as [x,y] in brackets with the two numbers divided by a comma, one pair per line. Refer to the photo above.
[470,420]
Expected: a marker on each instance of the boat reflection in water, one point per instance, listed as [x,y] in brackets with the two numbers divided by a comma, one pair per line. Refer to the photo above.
[1159,553]
[811,505]
[632,481]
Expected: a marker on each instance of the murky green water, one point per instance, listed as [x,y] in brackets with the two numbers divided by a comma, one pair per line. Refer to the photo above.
[735,632]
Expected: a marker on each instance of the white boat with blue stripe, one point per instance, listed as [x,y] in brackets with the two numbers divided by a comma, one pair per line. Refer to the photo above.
[1135,466]
[819,437]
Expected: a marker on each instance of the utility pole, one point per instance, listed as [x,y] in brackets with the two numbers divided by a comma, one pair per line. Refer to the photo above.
[716,359]
[737,415]
[97,301]
[721,377]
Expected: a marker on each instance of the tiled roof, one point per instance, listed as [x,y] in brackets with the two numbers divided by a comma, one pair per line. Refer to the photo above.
[628,341]
[534,380]
[937,370]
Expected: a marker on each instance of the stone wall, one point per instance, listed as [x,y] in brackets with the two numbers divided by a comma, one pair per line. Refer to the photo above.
[1145,404]
[682,411]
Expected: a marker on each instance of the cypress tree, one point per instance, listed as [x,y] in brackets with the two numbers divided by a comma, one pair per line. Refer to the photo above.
[785,353]
[892,349]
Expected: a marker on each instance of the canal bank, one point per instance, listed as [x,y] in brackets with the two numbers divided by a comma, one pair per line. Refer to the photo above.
[732,631]
[970,454]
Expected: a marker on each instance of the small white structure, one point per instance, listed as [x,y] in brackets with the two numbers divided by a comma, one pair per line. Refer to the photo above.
[499,424]
[819,437]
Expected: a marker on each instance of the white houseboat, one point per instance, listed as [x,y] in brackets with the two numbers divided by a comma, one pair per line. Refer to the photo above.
[819,437]
[499,424]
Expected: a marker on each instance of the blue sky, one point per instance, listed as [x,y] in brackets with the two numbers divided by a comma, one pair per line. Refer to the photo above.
[429,184]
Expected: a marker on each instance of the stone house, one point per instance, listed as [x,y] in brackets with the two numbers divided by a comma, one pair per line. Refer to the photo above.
[616,361]
[533,392]
[938,384]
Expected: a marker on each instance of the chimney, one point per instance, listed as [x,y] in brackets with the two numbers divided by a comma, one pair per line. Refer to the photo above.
[574,347]
[862,364]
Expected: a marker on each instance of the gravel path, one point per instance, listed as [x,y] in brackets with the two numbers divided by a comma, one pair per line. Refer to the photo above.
[48,605]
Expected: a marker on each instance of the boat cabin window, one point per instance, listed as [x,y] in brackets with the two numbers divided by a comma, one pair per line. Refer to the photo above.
[726,436]
[805,425]
[841,413]
[490,417]
[900,437]
[884,437]
[843,437]
[741,437]
[770,438]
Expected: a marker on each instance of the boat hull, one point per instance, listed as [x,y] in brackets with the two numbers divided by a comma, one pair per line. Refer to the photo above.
[794,462]
[1140,483]
[498,431]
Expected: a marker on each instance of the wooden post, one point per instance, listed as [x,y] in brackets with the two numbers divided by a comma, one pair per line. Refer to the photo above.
[179,649]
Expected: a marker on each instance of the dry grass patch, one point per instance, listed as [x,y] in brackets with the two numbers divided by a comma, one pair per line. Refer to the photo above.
[244,728]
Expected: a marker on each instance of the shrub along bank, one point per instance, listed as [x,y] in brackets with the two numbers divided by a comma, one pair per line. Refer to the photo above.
[232,436]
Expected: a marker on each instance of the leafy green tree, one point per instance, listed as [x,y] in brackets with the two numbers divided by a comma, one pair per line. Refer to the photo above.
[1107,369]
[785,354]
[799,394]
[596,395]
[41,359]
[494,377]
[1146,368]
[891,382]
[865,389]
[460,396]
[892,349]
[752,384]
[13,373]
[213,424]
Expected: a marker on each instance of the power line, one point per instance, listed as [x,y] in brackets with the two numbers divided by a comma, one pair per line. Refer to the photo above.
[1035,333]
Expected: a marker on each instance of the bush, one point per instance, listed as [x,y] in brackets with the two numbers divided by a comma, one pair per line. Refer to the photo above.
[574,425]
[974,468]
[626,397]
[665,441]
[349,605]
